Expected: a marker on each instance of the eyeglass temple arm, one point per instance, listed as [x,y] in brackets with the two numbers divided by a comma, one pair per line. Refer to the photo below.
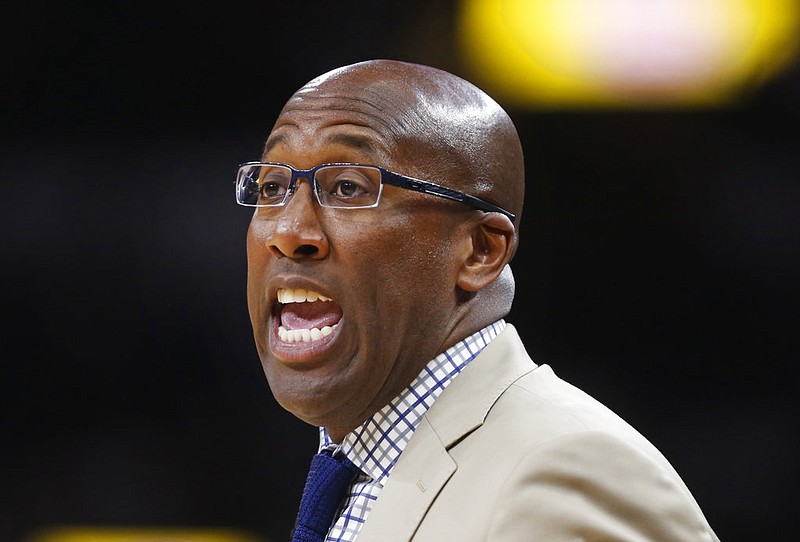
[444,192]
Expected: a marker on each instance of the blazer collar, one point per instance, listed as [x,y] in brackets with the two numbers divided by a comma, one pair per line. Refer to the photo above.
[464,405]
[425,465]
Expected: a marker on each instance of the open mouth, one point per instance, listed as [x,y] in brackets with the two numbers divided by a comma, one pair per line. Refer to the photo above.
[306,316]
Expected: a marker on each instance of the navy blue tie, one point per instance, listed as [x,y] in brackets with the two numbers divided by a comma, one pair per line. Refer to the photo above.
[326,486]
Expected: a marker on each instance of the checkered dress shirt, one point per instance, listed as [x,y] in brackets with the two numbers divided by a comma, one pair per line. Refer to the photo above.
[376,445]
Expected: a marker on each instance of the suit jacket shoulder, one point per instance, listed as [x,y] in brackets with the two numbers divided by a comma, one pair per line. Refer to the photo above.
[511,452]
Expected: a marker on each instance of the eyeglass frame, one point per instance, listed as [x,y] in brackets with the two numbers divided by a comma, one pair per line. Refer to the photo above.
[387,177]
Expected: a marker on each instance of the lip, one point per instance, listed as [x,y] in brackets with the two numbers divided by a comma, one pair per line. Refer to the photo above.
[299,353]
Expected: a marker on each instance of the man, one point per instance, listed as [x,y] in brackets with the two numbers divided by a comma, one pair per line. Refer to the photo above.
[377,288]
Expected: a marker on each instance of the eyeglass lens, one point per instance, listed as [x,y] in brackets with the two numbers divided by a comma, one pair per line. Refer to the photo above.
[336,186]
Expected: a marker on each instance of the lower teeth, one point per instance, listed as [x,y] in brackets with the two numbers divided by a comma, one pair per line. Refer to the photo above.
[304,335]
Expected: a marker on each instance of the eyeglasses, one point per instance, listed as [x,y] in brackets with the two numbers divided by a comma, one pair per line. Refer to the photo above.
[341,186]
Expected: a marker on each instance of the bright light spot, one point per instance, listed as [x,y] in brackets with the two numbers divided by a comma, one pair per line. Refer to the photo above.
[629,53]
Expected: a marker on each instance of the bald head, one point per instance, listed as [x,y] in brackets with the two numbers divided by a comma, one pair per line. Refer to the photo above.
[453,131]
[404,280]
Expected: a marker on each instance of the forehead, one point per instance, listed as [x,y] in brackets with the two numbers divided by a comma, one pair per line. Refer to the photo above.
[333,126]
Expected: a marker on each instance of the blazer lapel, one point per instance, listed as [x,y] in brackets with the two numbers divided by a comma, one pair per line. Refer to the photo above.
[425,465]
[466,402]
[419,475]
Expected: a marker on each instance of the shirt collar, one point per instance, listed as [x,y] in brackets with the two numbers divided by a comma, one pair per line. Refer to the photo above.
[376,445]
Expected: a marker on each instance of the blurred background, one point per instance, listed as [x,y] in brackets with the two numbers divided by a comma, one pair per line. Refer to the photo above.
[658,268]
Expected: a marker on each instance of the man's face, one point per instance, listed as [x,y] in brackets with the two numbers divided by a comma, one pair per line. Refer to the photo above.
[389,272]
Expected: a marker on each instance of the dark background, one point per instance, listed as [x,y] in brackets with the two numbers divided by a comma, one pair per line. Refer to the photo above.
[658,268]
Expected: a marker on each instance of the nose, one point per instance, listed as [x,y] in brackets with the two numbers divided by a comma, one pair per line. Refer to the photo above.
[298,231]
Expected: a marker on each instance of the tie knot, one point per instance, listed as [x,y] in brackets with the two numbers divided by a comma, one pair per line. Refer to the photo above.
[326,486]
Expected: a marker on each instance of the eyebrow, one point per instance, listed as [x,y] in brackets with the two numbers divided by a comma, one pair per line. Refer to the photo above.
[272,142]
[348,140]
[351,140]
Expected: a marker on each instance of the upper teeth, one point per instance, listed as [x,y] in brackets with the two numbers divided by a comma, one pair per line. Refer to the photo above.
[300,296]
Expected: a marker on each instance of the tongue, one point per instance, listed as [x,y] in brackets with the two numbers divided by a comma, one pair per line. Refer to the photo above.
[310,315]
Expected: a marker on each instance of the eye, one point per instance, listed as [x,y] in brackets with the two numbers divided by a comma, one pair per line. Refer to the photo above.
[272,190]
[344,188]
[348,185]
[272,186]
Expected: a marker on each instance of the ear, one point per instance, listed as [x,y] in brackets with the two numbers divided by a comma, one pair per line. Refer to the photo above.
[493,242]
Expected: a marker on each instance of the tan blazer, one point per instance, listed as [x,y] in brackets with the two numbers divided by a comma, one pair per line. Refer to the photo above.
[510,452]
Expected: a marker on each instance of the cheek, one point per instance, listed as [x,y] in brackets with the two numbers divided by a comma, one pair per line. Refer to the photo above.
[427,251]
[256,238]
[413,271]
[258,253]
[258,260]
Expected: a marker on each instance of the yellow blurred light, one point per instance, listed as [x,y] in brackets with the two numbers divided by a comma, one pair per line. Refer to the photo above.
[140,534]
[625,53]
